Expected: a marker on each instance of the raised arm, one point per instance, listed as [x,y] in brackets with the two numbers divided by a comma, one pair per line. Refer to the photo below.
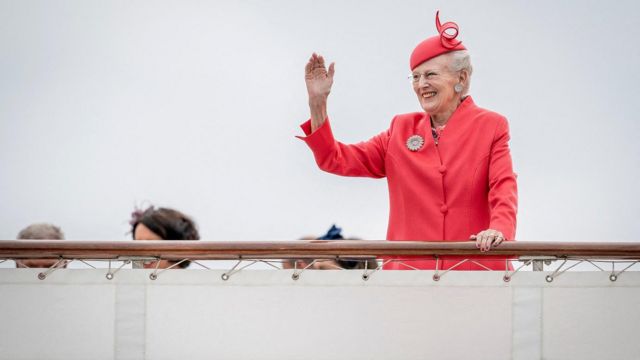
[319,82]
[362,159]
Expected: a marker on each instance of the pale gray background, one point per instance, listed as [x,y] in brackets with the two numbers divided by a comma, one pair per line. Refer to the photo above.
[195,104]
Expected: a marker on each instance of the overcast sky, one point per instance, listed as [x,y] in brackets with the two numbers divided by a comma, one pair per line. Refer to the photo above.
[194,105]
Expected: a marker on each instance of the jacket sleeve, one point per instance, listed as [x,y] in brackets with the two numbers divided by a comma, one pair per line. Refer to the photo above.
[366,159]
[503,189]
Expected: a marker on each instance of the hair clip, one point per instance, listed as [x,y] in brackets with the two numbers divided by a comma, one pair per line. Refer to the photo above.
[137,215]
[334,233]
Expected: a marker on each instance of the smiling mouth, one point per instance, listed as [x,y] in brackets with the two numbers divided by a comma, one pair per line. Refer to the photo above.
[428,94]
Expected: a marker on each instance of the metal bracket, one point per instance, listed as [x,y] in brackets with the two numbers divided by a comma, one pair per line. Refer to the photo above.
[155,273]
[296,273]
[614,275]
[54,267]
[138,261]
[110,274]
[538,261]
[437,276]
[549,278]
[507,277]
[227,275]
[367,274]
[200,264]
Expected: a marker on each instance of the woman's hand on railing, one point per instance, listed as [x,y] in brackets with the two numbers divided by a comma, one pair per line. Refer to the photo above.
[487,239]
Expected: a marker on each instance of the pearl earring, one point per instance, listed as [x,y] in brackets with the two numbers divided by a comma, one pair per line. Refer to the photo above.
[457,88]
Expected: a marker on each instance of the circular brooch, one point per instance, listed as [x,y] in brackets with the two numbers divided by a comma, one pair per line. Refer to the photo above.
[415,142]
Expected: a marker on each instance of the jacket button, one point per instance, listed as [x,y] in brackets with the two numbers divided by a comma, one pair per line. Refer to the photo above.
[444,209]
[442,169]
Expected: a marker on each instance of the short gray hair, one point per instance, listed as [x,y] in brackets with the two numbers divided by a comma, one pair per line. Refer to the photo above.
[459,61]
[41,231]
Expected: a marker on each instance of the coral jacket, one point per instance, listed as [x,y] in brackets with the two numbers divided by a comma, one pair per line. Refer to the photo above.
[446,191]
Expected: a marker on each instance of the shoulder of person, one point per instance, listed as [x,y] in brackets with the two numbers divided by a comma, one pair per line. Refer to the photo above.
[407,119]
[490,115]
[493,122]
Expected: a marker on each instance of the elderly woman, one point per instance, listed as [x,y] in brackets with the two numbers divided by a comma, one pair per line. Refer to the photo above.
[448,168]
[162,224]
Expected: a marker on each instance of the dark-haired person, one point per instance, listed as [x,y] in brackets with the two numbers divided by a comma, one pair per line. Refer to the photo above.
[163,224]
[298,263]
[40,231]
[334,233]
[448,167]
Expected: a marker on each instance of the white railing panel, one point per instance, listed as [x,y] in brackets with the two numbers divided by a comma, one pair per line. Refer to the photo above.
[265,314]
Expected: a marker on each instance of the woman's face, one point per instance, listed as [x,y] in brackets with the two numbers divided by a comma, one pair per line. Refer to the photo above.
[143,233]
[433,82]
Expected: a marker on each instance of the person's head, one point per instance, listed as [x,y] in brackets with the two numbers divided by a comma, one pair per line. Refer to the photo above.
[298,263]
[334,233]
[357,262]
[163,224]
[40,231]
[441,70]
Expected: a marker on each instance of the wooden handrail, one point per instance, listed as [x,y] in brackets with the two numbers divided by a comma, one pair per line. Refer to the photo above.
[219,250]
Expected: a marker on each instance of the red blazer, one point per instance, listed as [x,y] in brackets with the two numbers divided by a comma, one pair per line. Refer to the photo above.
[449,191]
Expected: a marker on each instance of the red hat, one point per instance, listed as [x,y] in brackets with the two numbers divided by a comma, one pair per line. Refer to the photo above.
[437,45]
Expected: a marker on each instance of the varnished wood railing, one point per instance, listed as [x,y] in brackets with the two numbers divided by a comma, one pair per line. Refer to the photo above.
[219,250]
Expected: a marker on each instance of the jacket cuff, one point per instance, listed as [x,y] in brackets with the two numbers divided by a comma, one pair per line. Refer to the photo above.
[321,137]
